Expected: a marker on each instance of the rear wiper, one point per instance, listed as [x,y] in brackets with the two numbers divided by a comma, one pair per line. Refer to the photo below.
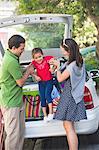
[24,63]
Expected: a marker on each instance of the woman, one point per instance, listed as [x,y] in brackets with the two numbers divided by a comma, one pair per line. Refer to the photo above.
[71,106]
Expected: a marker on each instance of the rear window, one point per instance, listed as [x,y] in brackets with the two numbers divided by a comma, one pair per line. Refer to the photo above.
[44,35]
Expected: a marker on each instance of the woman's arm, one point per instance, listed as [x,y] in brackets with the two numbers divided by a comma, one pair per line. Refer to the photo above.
[60,76]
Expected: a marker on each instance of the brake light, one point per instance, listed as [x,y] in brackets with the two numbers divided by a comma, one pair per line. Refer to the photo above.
[88,99]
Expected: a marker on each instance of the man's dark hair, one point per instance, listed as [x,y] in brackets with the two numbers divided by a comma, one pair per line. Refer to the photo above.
[15,41]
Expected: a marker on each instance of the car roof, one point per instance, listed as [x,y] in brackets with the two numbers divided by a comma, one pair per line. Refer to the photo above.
[36,18]
[87,50]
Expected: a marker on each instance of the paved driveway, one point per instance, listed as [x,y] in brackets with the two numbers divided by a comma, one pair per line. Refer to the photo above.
[86,142]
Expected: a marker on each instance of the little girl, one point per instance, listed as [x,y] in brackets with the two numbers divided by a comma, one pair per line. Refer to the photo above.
[45,80]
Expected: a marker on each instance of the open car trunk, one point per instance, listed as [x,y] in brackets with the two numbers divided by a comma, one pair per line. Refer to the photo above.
[46,31]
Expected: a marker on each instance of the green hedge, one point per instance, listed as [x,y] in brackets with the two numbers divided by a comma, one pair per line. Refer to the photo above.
[91,62]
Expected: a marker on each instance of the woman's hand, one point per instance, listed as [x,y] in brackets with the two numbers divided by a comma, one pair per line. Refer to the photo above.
[52,68]
[55,63]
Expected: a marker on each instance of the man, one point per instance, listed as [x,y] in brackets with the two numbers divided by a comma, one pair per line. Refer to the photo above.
[11,103]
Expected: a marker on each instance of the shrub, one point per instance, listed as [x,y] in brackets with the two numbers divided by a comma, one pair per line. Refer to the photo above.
[91,61]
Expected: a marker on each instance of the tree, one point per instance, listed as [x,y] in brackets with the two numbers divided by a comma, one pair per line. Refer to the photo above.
[92,10]
[80,9]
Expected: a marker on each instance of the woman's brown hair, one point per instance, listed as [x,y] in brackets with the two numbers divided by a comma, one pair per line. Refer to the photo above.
[72,47]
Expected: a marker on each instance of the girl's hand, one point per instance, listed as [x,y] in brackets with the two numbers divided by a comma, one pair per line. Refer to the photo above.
[51,60]
[37,78]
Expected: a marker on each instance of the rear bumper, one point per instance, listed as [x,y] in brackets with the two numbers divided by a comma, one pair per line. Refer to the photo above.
[37,129]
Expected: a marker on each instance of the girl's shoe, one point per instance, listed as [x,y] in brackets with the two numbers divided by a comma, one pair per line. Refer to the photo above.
[50,117]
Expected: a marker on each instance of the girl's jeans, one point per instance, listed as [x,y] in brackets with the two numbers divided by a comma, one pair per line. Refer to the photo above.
[45,89]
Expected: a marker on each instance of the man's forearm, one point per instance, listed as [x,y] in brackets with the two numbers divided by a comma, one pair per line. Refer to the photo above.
[21,81]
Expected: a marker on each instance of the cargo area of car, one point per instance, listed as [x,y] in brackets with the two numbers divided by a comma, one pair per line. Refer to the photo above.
[55,127]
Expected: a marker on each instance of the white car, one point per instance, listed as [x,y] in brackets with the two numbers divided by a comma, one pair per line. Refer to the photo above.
[38,128]
[46,31]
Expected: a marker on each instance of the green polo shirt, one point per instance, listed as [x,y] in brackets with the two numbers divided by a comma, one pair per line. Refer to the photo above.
[10,93]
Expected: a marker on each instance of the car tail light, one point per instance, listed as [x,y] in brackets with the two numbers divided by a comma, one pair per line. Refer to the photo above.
[88,98]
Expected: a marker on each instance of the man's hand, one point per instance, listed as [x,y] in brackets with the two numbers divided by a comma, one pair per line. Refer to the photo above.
[30,69]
